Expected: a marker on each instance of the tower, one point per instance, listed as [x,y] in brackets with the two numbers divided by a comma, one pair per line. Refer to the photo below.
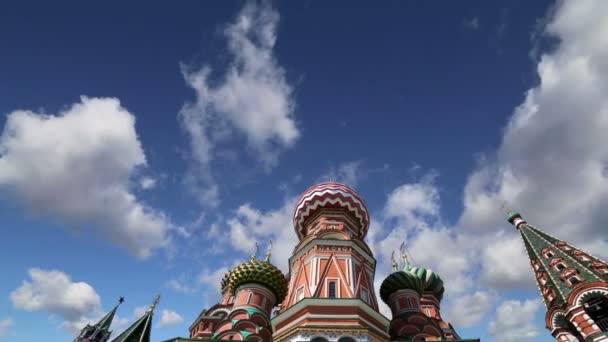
[99,332]
[414,295]
[572,283]
[139,331]
[207,321]
[250,291]
[331,272]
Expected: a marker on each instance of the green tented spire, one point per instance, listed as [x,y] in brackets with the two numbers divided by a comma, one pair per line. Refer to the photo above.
[106,321]
[559,267]
[140,331]
[99,332]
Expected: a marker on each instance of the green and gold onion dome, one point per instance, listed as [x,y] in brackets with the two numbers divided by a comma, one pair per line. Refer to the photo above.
[418,279]
[259,272]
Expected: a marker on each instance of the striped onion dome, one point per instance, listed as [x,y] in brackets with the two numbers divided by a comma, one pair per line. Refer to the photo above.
[330,195]
[259,272]
[432,281]
[409,279]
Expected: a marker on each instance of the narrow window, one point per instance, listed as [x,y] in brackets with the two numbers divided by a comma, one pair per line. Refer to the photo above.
[249,298]
[365,295]
[560,267]
[549,255]
[332,289]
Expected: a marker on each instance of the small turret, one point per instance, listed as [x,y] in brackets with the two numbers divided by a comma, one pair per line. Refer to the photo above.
[141,330]
[99,332]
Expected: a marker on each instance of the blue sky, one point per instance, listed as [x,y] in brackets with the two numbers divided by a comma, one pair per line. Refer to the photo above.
[143,148]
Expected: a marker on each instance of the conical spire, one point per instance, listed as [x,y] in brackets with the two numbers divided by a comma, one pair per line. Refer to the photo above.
[559,267]
[99,332]
[106,321]
[140,331]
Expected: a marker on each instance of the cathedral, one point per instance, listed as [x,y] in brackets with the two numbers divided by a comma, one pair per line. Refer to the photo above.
[328,294]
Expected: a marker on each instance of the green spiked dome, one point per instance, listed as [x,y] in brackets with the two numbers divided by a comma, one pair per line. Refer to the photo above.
[260,272]
[402,280]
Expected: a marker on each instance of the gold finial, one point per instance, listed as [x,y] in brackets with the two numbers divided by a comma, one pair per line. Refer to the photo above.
[394,262]
[154,304]
[268,251]
[255,251]
[505,208]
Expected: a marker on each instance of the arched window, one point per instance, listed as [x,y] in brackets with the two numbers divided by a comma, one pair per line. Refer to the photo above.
[346,339]
[574,280]
[597,309]
[318,339]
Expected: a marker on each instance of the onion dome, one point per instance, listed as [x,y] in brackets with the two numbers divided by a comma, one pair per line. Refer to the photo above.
[431,280]
[410,278]
[330,195]
[259,272]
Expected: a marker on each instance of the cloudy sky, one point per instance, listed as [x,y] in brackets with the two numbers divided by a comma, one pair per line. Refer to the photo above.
[144,148]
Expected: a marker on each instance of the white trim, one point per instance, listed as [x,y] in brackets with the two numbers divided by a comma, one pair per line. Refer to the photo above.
[303,293]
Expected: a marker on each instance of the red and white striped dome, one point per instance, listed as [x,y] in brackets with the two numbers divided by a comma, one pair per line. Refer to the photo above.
[330,195]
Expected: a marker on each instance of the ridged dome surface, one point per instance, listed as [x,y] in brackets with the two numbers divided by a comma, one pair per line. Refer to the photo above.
[431,280]
[330,195]
[401,280]
[259,272]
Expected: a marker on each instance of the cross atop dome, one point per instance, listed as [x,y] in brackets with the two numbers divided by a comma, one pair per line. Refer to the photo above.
[327,197]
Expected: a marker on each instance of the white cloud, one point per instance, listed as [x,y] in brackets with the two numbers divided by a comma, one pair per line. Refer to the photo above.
[249,225]
[505,262]
[415,203]
[5,327]
[472,23]
[514,321]
[139,311]
[170,317]
[54,292]
[252,98]
[180,285]
[211,278]
[348,173]
[468,310]
[147,183]
[75,167]
[552,162]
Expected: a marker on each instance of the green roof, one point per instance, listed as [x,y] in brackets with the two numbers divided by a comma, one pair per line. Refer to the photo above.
[141,330]
[106,321]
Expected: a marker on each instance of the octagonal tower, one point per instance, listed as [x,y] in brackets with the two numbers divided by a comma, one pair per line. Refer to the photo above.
[331,272]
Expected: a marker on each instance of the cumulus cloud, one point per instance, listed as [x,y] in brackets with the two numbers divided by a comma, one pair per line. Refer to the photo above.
[54,292]
[6,326]
[468,310]
[249,225]
[75,167]
[412,215]
[251,98]
[552,162]
[169,317]
[147,183]
[514,321]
